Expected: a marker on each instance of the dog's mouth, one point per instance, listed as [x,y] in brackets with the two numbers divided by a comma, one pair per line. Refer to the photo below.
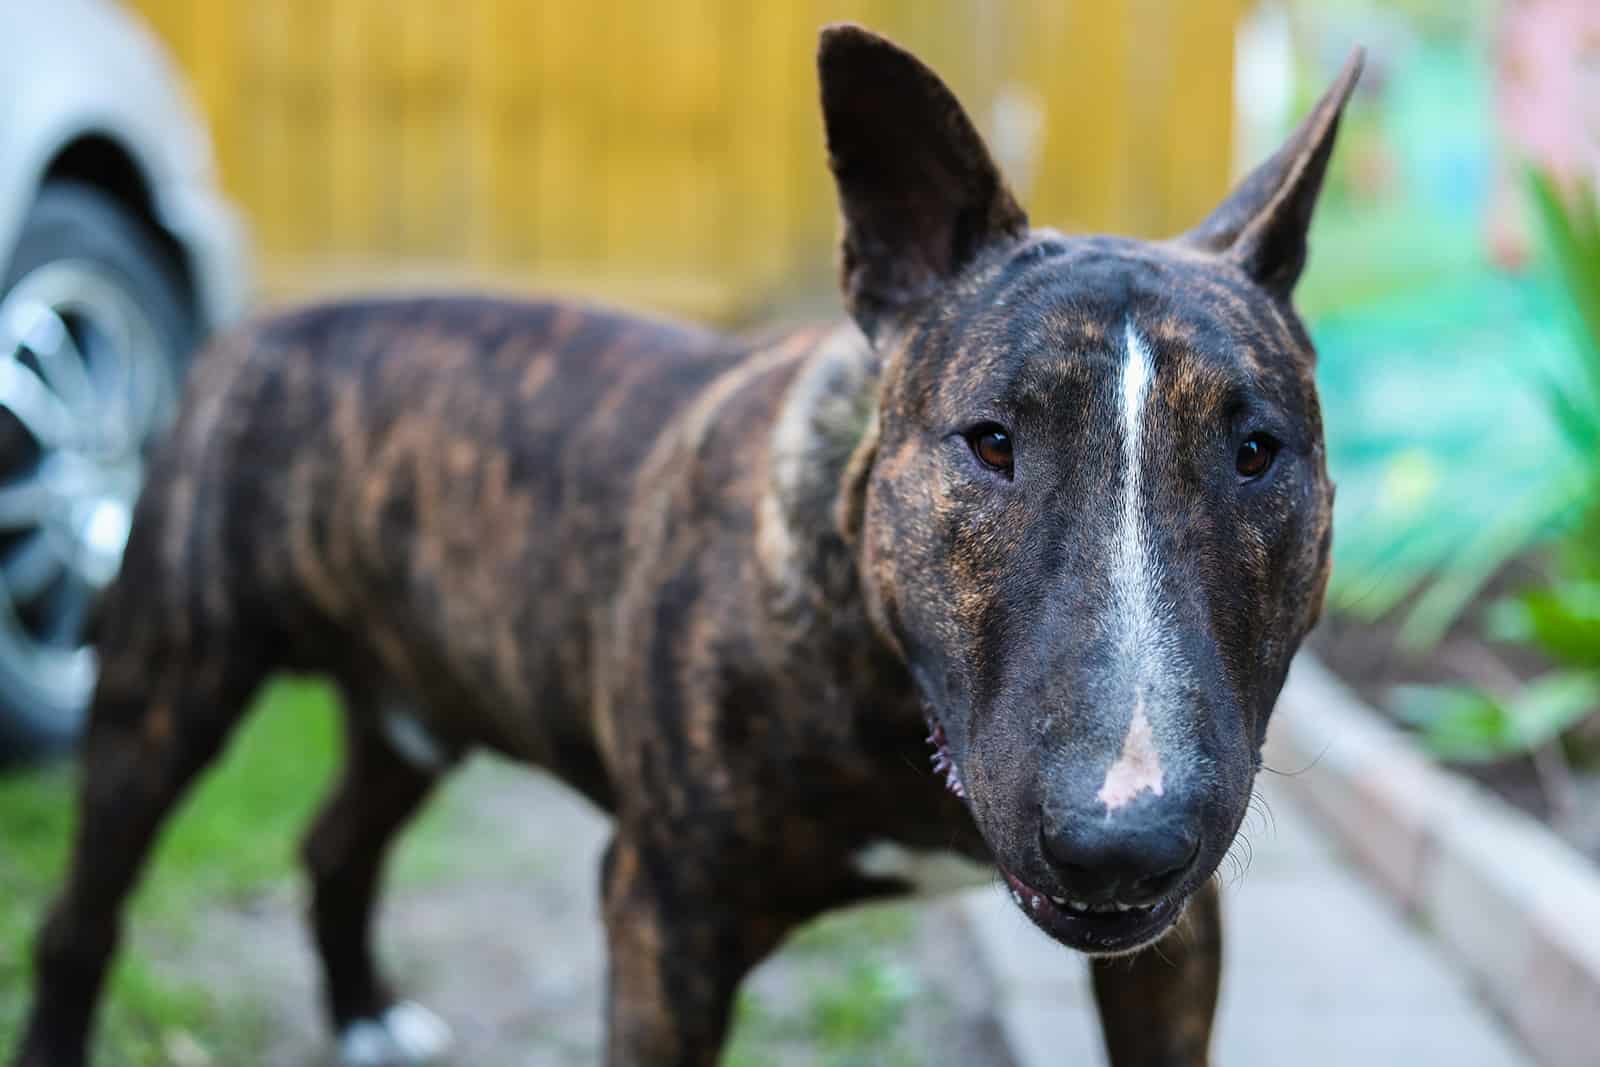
[1100,929]
[943,763]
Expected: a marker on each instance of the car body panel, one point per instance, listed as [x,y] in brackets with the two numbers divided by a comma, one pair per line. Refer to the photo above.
[94,70]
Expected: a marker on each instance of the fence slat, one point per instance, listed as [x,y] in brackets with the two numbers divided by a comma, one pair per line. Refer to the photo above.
[667,148]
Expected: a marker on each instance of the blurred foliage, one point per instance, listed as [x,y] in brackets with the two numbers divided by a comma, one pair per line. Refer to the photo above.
[1559,616]
[1462,398]
[1472,725]
[1438,366]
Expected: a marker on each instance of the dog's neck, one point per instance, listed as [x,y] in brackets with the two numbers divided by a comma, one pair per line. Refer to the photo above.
[803,547]
[818,456]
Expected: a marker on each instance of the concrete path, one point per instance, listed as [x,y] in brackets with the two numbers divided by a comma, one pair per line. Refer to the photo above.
[1322,970]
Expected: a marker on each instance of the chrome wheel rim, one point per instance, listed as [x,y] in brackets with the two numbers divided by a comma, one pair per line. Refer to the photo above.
[85,383]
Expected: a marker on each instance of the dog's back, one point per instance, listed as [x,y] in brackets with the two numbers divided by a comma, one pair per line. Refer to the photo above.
[418,463]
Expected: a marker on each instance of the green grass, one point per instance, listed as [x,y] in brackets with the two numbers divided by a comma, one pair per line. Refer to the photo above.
[234,843]
[234,839]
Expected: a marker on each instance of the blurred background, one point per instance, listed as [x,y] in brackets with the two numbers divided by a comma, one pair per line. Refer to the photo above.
[663,152]
[172,164]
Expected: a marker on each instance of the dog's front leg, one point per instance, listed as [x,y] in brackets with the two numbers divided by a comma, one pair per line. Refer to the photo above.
[1156,1007]
[679,946]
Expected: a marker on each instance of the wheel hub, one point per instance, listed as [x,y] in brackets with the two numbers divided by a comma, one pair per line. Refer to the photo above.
[94,498]
[85,383]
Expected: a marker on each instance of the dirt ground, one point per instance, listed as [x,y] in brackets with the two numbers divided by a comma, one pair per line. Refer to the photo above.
[500,936]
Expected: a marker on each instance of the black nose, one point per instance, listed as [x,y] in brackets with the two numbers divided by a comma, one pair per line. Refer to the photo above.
[1135,859]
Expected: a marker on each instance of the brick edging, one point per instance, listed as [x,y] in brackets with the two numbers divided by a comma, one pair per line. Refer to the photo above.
[1515,904]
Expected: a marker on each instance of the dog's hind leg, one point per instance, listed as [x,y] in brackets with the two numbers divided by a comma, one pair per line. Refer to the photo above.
[390,768]
[160,715]
[1157,1006]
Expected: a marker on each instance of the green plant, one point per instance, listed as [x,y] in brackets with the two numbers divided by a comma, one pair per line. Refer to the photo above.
[1564,508]
[1558,616]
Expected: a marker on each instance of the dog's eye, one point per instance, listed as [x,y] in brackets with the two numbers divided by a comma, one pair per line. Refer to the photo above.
[992,445]
[1255,456]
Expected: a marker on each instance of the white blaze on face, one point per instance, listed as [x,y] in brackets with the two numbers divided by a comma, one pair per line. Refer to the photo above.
[1138,767]
[1140,642]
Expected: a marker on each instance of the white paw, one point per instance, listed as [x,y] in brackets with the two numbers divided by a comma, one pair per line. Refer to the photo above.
[407,1035]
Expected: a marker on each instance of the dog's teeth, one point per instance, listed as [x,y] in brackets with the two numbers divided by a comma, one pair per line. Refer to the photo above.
[1016,896]
[1059,902]
[1036,902]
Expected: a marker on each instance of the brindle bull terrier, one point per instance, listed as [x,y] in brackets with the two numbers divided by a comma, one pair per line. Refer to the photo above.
[1056,505]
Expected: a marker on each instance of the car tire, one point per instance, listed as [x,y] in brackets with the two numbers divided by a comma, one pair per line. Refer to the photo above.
[96,310]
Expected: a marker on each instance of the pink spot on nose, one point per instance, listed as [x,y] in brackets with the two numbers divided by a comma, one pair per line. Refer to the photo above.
[1137,769]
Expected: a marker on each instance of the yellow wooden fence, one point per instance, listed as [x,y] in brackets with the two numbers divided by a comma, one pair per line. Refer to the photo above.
[665,150]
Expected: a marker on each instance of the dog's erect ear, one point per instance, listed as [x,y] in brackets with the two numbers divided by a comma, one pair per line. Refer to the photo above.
[1262,225]
[919,194]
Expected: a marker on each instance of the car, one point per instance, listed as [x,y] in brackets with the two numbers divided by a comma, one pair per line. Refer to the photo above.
[121,254]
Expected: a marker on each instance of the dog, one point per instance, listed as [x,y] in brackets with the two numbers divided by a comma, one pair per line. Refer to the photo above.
[1056,507]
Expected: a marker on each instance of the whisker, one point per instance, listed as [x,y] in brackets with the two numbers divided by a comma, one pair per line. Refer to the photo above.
[1184,935]
[1295,774]
[1240,866]
[1257,798]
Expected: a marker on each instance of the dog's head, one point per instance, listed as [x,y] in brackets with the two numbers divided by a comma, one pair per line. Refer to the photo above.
[1093,513]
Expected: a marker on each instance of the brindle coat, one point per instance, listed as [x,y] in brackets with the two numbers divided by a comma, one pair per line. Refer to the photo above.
[723,586]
